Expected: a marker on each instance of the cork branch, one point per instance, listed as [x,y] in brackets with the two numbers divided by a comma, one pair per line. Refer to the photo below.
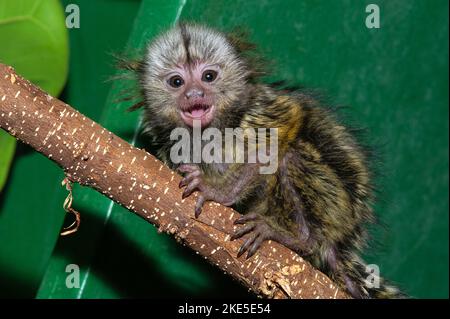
[92,156]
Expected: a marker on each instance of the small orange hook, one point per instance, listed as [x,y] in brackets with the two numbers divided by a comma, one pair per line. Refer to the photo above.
[68,208]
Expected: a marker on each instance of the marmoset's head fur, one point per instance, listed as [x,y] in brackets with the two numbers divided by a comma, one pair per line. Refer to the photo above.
[192,72]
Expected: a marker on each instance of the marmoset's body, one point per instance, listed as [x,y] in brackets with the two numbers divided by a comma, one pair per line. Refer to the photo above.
[318,201]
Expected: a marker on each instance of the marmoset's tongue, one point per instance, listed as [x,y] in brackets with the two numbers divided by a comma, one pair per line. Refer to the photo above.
[197,112]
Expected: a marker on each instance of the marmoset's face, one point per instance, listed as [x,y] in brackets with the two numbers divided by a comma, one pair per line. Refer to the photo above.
[192,73]
[195,89]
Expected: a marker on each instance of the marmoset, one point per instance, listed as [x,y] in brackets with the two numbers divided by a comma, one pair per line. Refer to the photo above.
[317,202]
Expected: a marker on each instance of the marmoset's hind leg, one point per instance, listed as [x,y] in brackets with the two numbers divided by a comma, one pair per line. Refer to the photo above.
[260,229]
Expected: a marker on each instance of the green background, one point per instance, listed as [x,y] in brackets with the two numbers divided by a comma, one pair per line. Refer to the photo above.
[394,80]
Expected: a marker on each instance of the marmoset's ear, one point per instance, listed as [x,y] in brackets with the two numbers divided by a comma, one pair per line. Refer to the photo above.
[124,63]
[239,38]
[130,70]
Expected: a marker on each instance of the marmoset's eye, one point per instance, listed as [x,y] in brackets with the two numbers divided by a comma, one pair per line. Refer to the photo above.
[176,81]
[209,76]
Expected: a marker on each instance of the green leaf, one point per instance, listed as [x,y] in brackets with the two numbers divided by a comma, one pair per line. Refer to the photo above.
[33,39]
[7,147]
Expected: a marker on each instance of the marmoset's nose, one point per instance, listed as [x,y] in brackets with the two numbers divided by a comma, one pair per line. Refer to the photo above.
[193,93]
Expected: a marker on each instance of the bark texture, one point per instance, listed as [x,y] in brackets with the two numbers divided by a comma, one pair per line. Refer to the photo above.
[94,157]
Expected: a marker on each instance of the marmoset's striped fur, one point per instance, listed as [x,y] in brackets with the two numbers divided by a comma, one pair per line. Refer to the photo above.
[318,202]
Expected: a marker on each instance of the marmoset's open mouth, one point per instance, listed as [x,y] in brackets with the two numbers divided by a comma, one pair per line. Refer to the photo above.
[198,112]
